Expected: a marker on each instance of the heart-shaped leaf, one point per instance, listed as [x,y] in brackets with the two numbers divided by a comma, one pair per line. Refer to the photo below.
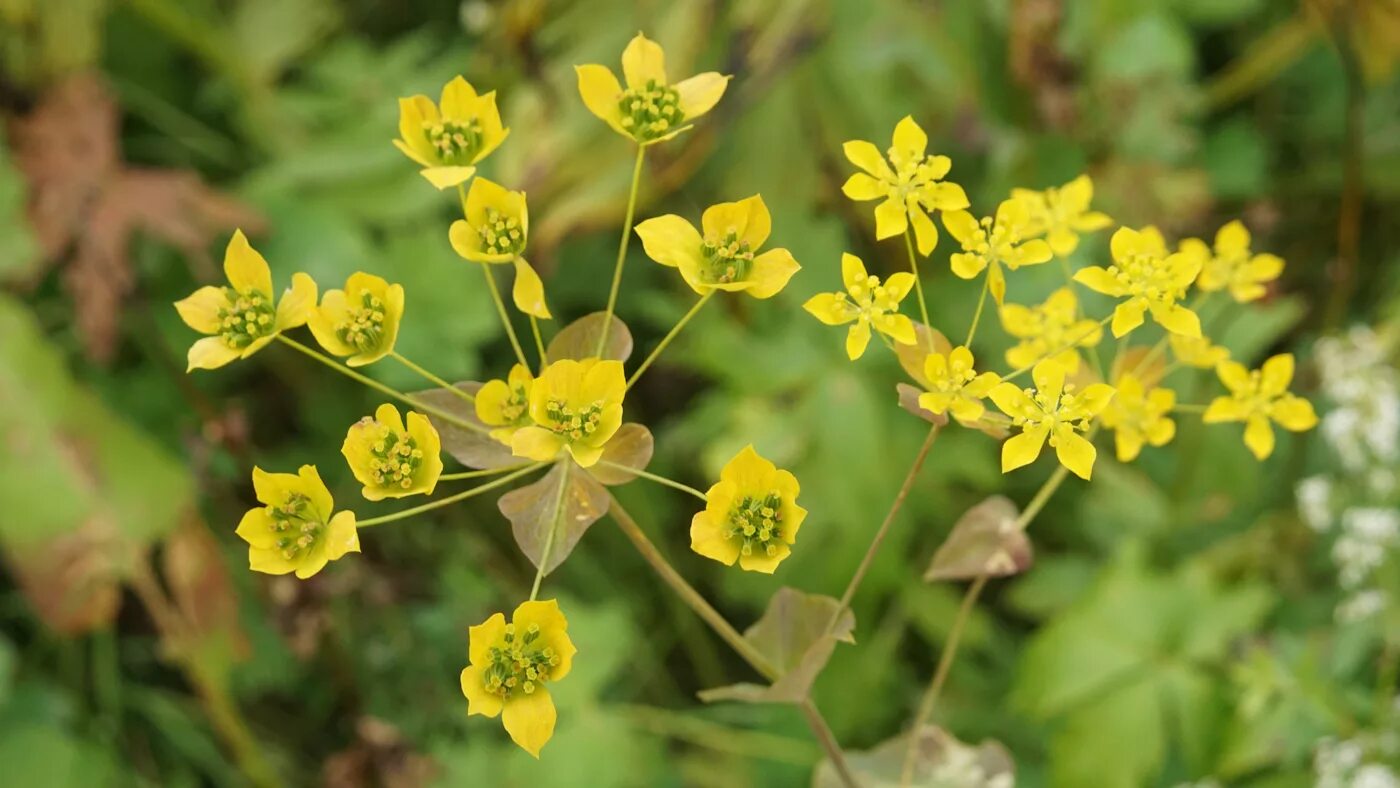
[630,447]
[471,448]
[940,761]
[985,541]
[551,515]
[579,340]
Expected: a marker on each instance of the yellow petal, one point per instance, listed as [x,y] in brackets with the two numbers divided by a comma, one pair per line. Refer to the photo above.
[458,99]
[900,328]
[415,111]
[891,218]
[1075,452]
[1224,409]
[269,562]
[1259,436]
[529,719]
[324,319]
[200,310]
[1063,241]
[1232,239]
[1127,316]
[1021,450]
[245,268]
[1234,375]
[1100,280]
[771,272]
[925,234]
[1294,413]
[528,292]
[967,266]
[297,302]
[479,701]
[256,529]
[868,157]
[700,93]
[1276,374]
[830,309]
[962,226]
[899,284]
[852,271]
[1127,242]
[643,61]
[671,240]
[945,196]
[1049,379]
[447,177]
[748,219]
[758,561]
[536,443]
[709,537]
[861,187]
[340,536]
[1178,320]
[996,283]
[1128,444]
[1011,400]
[483,637]
[493,133]
[601,93]
[210,353]
[910,139]
[856,340]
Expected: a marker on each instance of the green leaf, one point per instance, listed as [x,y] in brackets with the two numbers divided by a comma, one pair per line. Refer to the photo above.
[472,448]
[18,254]
[631,446]
[551,515]
[985,541]
[579,340]
[940,761]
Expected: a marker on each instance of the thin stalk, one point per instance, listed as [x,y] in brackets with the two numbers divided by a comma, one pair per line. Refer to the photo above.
[553,529]
[918,283]
[455,421]
[622,250]
[1078,313]
[653,477]
[464,395]
[539,343]
[977,316]
[829,743]
[505,316]
[666,340]
[1187,407]
[452,477]
[451,499]
[1071,344]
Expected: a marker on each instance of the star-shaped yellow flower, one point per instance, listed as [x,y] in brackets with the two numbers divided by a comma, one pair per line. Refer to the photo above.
[1197,351]
[576,406]
[505,404]
[450,137]
[1138,415]
[994,242]
[1232,266]
[1258,397]
[361,321]
[495,230]
[1148,279]
[1053,410]
[242,317]
[725,256]
[1046,328]
[511,666]
[955,386]
[869,304]
[390,459]
[909,182]
[650,109]
[296,529]
[1062,214]
[751,515]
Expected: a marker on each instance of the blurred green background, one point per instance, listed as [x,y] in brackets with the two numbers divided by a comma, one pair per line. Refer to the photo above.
[1183,624]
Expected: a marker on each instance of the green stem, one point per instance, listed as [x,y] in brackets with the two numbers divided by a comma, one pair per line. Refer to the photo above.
[977,316]
[914,269]
[622,250]
[431,377]
[1078,313]
[455,421]
[451,499]
[1057,351]
[505,316]
[1186,407]
[539,343]
[553,529]
[666,340]
[452,477]
[675,485]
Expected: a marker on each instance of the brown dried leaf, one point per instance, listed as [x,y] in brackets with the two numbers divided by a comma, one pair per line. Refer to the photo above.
[471,448]
[631,446]
[201,588]
[911,357]
[940,761]
[579,340]
[985,541]
[551,515]
[909,400]
[73,581]
[379,758]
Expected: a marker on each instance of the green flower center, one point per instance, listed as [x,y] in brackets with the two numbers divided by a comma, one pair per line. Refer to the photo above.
[1148,276]
[755,522]
[245,317]
[363,326]
[573,423]
[501,234]
[395,459]
[520,664]
[516,409]
[296,525]
[871,298]
[455,141]
[727,260]
[650,112]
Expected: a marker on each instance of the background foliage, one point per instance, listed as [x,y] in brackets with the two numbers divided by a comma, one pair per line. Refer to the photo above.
[1179,624]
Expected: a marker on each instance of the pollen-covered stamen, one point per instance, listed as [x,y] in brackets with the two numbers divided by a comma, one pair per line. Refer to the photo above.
[755,523]
[728,258]
[296,525]
[651,111]
[394,458]
[245,317]
[913,174]
[515,410]
[573,423]
[520,663]
[363,326]
[501,234]
[456,142]
[1147,275]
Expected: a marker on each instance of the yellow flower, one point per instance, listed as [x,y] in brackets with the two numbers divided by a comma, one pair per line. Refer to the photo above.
[296,529]
[1149,279]
[870,304]
[1197,351]
[954,385]
[751,515]
[510,664]
[495,230]
[505,404]
[1232,265]
[651,109]
[1138,415]
[908,180]
[1054,410]
[1061,214]
[242,317]
[1258,396]
[576,406]
[361,321]
[724,257]
[392,461]
[993,242]
[1054,325]
[449,138]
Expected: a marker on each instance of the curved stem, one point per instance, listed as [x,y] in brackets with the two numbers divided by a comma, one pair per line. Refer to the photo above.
[977,316]
[553,529]
[431,377]
[653,477]
[455,421]
[829,743]
[539,343]
[918,282]
[451,499]
[452,477]
[505,316]
[666,340]
[622,250]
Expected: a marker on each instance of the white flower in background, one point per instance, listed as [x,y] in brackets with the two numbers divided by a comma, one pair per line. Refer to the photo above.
[1362,606]
[1315,502]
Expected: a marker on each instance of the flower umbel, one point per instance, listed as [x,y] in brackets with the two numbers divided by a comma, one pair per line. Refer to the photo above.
[1148,279]
[1232,266]
[955,386]
[993,242]
[361,321]
[1258,397]
[576,406]
[650,109]
[393,460]
[296,529]
[1054,325]
[1138,415]
[909,181]
[450,137]
[1062,213]
[751,515]
[870,303]
[1197,351]
[726,256]
[495,230]
[1054,410]
[242,316]
[510,666]
[505,404]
